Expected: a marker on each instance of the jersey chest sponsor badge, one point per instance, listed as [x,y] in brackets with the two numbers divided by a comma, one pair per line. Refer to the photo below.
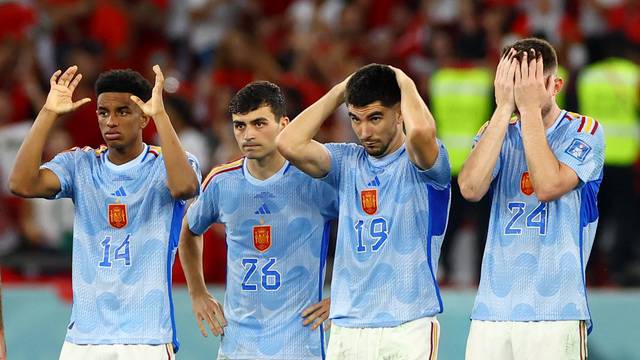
[118,215]
[525,184]
[369,201]
[262,237]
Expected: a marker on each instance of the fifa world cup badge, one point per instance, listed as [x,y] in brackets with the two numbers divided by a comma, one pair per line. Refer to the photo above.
[369,201]
[118,215]
[262,237]
[525,184]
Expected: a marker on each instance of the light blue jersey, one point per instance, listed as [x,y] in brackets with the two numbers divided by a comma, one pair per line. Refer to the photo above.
[393,218]
[125,234]
[277,235]
[536,252]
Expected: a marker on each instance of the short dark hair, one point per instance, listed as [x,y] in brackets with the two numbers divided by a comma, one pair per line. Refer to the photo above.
[256,95]
[371,83]
[541,47]
[124,81]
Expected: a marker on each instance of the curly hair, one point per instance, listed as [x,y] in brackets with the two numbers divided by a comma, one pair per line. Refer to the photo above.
[124,81]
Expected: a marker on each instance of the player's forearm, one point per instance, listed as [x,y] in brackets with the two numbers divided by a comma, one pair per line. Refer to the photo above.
[476,174]
[190,250]
[542,164]
[26,169]
[293,141]
[181,179]
[419,125]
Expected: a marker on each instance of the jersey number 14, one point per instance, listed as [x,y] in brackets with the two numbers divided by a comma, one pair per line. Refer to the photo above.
[121,252]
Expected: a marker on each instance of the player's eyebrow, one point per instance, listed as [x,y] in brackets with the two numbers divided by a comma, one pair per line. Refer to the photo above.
[375,113]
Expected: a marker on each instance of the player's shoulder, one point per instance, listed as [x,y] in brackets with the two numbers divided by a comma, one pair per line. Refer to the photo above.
[87,152]
[582,125]
[222,171]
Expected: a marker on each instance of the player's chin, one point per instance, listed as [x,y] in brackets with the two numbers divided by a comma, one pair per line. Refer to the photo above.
[253,154]
[374,150]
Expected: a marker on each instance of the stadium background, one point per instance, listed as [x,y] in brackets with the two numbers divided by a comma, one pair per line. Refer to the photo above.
[208,49]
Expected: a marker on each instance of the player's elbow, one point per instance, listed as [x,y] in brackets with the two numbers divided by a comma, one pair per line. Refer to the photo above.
[184,191]
[285,146]
[469,190]
[19,188]
[547,193]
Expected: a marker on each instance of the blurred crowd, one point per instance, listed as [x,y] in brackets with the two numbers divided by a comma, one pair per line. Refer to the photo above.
[208,49]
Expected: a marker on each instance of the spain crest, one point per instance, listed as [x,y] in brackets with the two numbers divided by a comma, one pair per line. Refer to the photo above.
[262,237]
[118,215]
[369,201]
[525,184]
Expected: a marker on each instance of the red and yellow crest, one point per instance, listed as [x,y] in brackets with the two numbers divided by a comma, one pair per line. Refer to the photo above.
[262,237]
[118,215]
[525,184]
[369,201]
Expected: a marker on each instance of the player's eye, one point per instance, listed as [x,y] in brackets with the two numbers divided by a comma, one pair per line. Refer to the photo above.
[123,112]
[102,114]
[239,126]
[355,119]
[260,124]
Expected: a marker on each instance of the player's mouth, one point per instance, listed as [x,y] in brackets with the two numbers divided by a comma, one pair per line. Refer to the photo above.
[250,146]
[112,135]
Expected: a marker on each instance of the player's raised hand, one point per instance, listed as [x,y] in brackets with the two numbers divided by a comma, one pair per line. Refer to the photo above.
[59,100]
[401,76]
[504,80]
[206,308]
[316,314]
[529,91]
[155,105]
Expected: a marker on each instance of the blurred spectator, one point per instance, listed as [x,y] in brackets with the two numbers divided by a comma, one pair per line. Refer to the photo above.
[208,49]
[191,138]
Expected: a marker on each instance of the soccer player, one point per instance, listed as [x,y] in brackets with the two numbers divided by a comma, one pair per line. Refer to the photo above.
[394,192]
[544,167]
[277,225]
[129,201]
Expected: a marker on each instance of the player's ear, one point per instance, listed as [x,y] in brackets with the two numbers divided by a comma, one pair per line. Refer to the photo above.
[144,121]
[398,114]
[284,121]
[555,84]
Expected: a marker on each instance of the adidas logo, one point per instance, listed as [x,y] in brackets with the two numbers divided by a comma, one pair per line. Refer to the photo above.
[264,209]
[374,182]
[119,192]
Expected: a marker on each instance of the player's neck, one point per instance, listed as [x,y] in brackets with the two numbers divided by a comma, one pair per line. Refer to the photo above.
[550,118]
[124,155]
[394,145]
[265,167]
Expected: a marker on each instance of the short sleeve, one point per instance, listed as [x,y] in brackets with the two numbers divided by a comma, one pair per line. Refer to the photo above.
[337,152]
[204,210]
[439,174]
[583,152]
[63,165]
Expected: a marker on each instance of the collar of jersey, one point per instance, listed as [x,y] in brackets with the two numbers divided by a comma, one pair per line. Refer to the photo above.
[553,126]
[129,164]
[387,159]
[270,179]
